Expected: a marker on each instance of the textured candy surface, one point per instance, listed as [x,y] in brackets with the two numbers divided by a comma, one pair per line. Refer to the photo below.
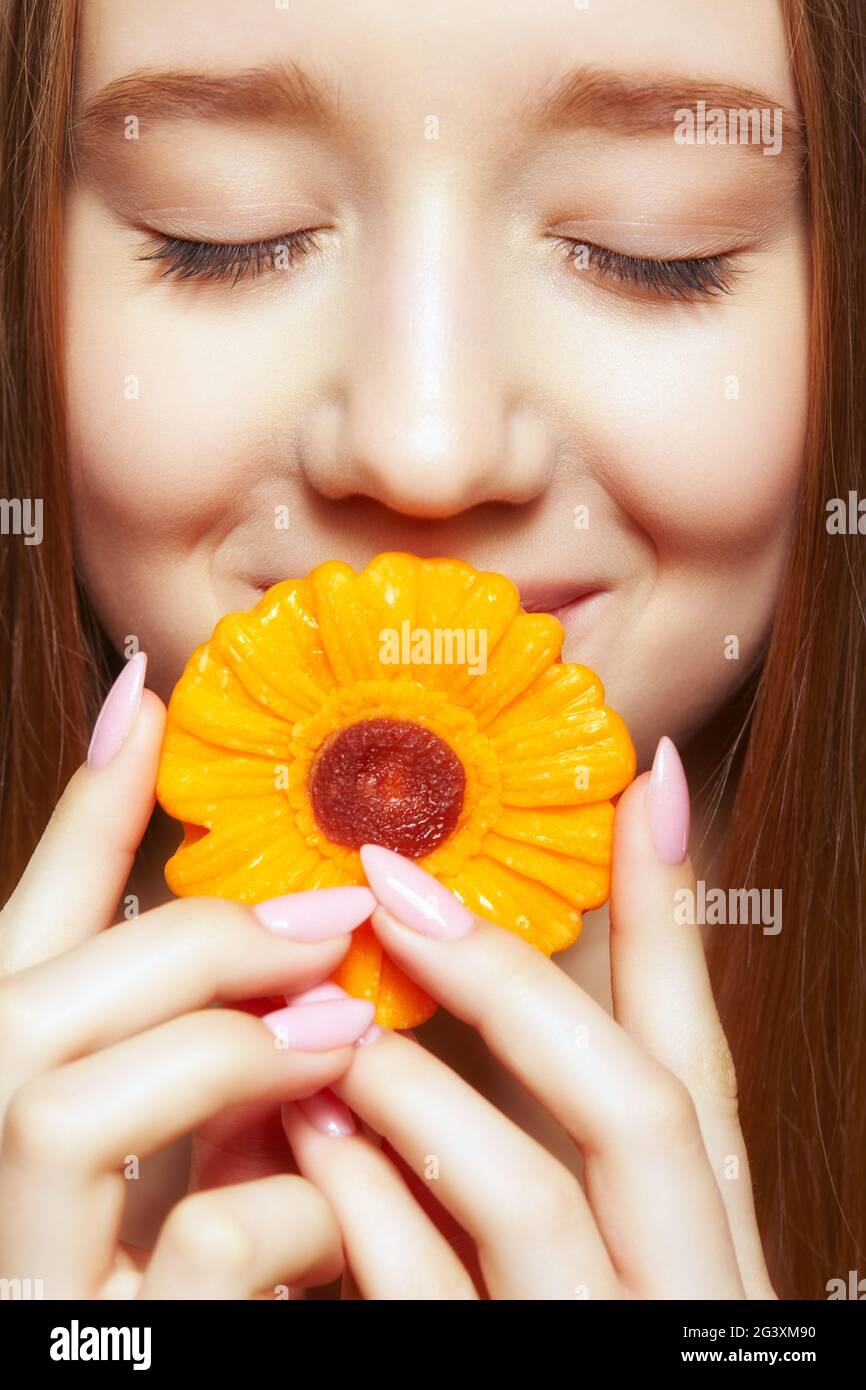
[387,782]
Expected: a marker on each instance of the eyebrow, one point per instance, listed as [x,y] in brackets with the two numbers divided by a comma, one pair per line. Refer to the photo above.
[583,97]
[587,97]
[284,90]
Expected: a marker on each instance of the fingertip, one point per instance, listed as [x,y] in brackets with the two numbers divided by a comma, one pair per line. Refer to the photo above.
[152,713]
[288,1118]
[631,804]
[143,745]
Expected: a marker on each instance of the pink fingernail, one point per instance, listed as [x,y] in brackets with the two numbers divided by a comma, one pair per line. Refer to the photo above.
[669,810]
[372,1033]
[322,1017]
[327,1113]
[314,995]
[413,896]
[118,713]
[317,914]
[329,990]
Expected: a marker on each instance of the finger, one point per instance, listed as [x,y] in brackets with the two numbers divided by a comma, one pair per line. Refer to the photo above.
[246,1240]
[394,1250]
[662,992]
[71,887]
[237,1145]
[70,1138]
[241,1144]
[535,1234]
[173,960]
[646,1170]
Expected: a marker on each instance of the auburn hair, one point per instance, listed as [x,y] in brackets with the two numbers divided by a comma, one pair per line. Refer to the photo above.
[793,1005]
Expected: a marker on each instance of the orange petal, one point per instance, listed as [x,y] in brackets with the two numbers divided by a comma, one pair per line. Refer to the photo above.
[276,651]
[582,885]
[195,777]
[367,973]
[203,865]
[343,623]
[442,588]
[388,588]
[586,832]
[463,640]
[540,916]
[557,690]
[599,763]
[531,642]
[211,702]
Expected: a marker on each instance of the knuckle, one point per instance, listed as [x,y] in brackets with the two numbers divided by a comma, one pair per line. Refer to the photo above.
[547,1201]
[516,976]
[204,1233]
[317,1205]
[230,1044]
[305,1209]
[22,1025]
[215,921]
[222,914]
[228,1032]
[664,1113]
[309,1207]
[39,1123]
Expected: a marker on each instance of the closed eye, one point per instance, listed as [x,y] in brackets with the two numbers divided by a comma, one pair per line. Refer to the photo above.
[701,277]
[222,261]
[687,278]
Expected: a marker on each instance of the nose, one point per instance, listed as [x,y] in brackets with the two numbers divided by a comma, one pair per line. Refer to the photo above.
[427,418]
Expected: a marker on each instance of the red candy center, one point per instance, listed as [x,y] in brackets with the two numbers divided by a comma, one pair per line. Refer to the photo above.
[387,782]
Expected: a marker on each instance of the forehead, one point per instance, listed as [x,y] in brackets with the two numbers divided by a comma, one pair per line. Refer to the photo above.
[396,59]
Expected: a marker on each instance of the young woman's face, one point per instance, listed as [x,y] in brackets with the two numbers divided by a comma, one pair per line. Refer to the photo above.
[429,369]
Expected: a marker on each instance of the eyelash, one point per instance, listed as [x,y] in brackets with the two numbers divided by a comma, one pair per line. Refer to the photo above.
[221,261]
[703,277]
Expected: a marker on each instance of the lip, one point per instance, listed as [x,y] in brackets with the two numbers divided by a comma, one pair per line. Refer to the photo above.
[536,596]
[557,598]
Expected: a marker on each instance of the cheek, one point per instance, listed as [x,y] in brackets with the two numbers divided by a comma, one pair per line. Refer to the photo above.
[706,423]
[156,434]
[696,432]
[165,413]
[180,397]
[715,496]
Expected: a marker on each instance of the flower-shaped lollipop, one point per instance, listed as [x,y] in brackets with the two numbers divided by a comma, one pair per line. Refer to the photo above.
[414,705]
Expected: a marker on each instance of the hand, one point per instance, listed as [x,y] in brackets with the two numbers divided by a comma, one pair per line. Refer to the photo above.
[110,1050]
[665,1210]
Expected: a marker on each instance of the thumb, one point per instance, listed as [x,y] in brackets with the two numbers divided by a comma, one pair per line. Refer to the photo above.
[70,889]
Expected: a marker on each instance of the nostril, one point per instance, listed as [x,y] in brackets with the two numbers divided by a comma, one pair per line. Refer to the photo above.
[421,498]
[434,463]
[441,485]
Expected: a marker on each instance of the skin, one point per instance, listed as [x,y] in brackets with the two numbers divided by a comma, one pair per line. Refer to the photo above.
[465,388]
